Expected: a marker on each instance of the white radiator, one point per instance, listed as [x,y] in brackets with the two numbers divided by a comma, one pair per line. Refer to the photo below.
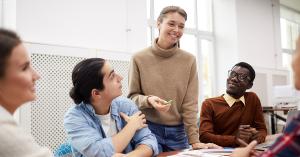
[44,117]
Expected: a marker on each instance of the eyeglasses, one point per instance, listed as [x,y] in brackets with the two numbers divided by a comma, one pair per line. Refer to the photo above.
[240,77]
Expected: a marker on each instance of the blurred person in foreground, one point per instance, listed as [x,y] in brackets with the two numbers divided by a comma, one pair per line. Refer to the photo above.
[17,86]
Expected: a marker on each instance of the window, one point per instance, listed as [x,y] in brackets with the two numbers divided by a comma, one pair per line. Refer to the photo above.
[188,42]
[208,69]
[289,34]
[197,38]
[290,30]
[286,60]
[204,8]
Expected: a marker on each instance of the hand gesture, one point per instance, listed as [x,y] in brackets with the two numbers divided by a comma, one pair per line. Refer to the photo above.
[159,104]
[247,151]
[137,120]
[254,133]
[244,133]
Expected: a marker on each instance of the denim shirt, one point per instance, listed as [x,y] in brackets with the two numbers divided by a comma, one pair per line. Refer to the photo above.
[88,138]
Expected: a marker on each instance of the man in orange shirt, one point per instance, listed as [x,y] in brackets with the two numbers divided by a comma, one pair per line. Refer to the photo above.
[235,114]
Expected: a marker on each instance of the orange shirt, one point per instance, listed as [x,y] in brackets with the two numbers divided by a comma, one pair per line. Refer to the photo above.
[219,122]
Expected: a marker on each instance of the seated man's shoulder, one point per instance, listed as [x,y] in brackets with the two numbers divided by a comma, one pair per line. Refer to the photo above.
[124,103]
[122,100]
[74,109]
[213,100]
[75,113]
[251,95]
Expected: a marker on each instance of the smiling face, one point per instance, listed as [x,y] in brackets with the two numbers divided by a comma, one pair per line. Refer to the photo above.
[170,29]
[17,86]
[235,87]
[112,82]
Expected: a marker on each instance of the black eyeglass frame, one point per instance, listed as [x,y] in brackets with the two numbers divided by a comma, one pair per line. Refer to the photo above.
[240,77]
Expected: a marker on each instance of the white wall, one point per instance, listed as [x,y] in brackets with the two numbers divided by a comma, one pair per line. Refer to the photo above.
[246,30]
[8,14]
[257,42]
[112,25]
[225,29]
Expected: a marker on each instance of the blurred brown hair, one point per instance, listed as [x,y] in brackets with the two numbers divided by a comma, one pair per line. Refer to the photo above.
[8,41]
[171,9]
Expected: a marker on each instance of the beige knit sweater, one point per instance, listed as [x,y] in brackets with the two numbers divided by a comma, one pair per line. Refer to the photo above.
[171,75]
[14,142]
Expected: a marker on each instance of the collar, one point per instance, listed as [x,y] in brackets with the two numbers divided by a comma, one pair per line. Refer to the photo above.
[5,115]
[231,100]
[163,52]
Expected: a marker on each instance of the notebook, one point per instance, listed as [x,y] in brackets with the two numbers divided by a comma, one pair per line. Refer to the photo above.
[205,153]
[263,146]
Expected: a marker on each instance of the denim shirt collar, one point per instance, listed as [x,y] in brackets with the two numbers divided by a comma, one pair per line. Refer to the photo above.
[90,109]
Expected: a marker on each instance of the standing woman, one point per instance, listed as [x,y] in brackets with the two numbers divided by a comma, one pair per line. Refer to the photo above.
[164,72]
[17,86]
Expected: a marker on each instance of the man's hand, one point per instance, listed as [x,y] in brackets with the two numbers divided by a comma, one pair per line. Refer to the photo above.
[247,134]
[255,134]
[159,104]
[244,133]
[137,120]
[205,146]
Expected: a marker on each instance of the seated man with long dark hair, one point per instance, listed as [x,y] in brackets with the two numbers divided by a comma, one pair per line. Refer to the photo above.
[102,123]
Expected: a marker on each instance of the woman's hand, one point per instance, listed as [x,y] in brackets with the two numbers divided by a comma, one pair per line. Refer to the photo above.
[205,146]
[159,104]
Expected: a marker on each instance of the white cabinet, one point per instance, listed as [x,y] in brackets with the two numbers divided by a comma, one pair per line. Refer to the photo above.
[265,81]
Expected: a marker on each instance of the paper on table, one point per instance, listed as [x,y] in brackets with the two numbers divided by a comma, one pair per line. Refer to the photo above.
[205,153]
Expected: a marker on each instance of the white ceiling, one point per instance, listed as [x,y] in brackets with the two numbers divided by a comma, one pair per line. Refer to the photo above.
[294,4]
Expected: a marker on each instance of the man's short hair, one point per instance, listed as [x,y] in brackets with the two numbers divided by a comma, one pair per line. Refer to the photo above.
[249,67]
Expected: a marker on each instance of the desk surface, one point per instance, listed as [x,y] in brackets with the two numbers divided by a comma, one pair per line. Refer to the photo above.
[268,139]
[201,152]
